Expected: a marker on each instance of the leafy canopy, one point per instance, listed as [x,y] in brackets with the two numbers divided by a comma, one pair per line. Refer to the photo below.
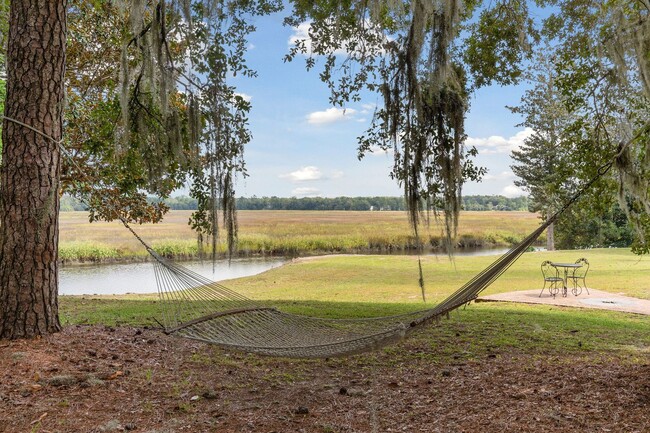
[168,115]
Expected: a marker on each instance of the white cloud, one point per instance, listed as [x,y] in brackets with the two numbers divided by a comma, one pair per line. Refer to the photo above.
[330,115]
[499,144]
[368,108]
[504,175]
[305,192]
[301,33]
[336,174]
[512,191]
[378,151]
[244,96]
[303,174]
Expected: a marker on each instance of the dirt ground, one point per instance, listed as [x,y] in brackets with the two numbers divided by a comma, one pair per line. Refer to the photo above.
[102,379]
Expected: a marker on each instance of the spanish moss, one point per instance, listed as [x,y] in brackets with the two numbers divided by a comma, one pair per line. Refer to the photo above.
[423,116]
[406,53]
[178,108]
[627,47]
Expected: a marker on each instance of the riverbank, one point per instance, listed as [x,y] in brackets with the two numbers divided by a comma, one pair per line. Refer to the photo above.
[289,234]
[361,286]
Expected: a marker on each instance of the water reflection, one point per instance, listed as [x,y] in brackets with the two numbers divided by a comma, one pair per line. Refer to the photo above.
[116,279]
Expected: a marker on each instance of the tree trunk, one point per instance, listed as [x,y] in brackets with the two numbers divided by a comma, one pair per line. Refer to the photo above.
[29,176]
[550,237]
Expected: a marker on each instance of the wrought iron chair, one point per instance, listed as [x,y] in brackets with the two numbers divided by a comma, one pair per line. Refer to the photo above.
[578,277]
[552,277]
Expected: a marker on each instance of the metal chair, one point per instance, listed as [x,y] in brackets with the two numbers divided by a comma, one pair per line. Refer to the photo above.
[552,277]
[578,277]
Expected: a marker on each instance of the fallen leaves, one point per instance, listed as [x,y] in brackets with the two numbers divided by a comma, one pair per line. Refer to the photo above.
[114,375]
[178,383]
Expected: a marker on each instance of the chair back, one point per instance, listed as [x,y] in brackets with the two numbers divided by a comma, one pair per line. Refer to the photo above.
[581,272]
[549,271]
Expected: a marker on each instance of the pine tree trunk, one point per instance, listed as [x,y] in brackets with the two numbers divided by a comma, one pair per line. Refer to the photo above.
[29,176]
[550,237]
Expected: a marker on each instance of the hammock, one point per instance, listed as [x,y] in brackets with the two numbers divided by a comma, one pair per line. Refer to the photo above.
[197,308]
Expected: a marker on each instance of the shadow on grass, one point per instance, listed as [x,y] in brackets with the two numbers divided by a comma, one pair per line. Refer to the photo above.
[476,330]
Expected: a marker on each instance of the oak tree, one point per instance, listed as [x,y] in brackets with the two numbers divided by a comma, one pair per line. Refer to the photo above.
[600,66]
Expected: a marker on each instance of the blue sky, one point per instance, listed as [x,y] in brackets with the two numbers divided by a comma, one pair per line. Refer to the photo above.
[304,147]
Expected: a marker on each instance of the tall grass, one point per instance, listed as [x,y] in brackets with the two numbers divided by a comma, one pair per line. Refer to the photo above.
[176,248]
[87,251]
[289,233]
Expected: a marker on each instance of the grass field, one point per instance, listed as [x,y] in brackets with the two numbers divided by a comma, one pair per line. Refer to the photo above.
[369,285]
[363,286]
[288,233]
[395,278]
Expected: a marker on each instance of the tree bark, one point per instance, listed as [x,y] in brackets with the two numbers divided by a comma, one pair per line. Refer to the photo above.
[30,171]
[550,237]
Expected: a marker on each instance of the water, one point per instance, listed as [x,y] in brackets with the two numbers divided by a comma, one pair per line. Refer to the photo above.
[117,279]
[475,251]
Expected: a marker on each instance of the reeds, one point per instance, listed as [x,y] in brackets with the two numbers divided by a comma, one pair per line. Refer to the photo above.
[290,233]
[87,251]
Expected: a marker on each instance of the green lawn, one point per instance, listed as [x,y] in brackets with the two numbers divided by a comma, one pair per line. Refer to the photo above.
[395,278]
[363,286]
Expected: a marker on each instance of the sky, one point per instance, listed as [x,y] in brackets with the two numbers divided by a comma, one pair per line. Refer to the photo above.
[304,147]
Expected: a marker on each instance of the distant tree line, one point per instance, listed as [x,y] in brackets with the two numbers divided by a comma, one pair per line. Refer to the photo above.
[321,203]
[470,202]
[495,202]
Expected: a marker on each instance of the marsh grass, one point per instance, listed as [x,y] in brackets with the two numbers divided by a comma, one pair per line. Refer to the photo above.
[289,233]
[176,248]
[87,251]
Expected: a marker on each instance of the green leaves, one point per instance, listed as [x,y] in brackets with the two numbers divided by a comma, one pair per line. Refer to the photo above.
[182,119]
[405,52]
[591,81]
[498,43]
[168,114]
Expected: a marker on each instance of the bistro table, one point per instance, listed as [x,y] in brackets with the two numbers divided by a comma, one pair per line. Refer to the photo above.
[565,267]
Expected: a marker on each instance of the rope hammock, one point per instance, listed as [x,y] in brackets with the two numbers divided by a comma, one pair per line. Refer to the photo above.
[197,308]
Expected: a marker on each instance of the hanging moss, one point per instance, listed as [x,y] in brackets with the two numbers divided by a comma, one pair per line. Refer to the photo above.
[178,109]
[425,102]
[627,46]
